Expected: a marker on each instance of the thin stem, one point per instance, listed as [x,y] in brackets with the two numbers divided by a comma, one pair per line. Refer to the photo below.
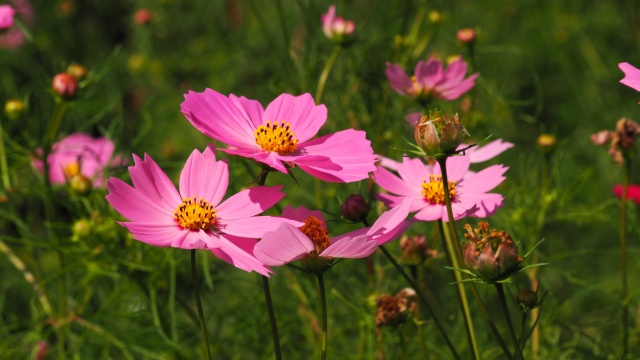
[323,301]
[325,73]
[623,258]
[507,316]
[203,328]
[456,258]
[424,300]
[54,122]
[4,167]
[267,294]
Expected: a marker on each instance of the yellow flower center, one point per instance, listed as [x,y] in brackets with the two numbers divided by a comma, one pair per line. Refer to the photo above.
[194,215]
[71,169]
[316,232]
[276,137]
[433,191]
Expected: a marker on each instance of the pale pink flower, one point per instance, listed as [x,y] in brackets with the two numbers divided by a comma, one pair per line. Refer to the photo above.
[280,135]
[631,75]
[423,185]
[430,81]
[289,243]
[337,28]
[195,217]
[6,17]
[79,153]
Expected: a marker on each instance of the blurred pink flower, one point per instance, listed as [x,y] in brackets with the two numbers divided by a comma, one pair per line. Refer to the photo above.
[6,17]
[336,28]
[430,81]
[631,75]
[633,192]
[14,37]
[79,153]
[289,243]
[423,185]
[280,136]
[194,217]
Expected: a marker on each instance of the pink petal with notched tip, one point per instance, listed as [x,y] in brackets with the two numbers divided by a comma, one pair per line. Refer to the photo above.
[253,227]
[135,205]
[251,109]
[238,252]
[388,181]
[249,202]
[457,166]
[286,244]
[488,151]
[204,177]
[428,74]
[301,112]
[483,180]
[156,234]
[455,91]
[148,178]
[414,172]
[217,116]
[631,75]
[351,248]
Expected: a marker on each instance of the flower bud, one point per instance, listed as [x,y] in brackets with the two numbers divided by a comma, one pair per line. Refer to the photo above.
[65,86]
[14,108]
[142,16]
[527,299]
[43,347]
[80,184]
[491,254]
[435,16]
[355,208]
[77,71]
[439,135]
[466,35]
[337,29]
[546,143]
[80,229]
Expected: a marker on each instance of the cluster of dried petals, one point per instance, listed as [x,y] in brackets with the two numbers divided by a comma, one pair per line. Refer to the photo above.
[415,249]
[491,254]
[621,141]
[394,310]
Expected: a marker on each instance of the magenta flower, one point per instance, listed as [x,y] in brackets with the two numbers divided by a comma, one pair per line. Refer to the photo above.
[195,217]
[311,241]
[13,37]
[79,153]
[631,75]
[423,185]
[6,17]
[430,81]
[633,193]
[336,28]
[280,136]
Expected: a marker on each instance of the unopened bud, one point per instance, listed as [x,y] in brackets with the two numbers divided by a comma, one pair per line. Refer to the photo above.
[528,299]
[466,35]
[439,135]
[435,16]
[65,86]
[14,108]
[80,229]
[80,184]
[142,16]
[77,71]
[491,254]
[546,143]
[355,208]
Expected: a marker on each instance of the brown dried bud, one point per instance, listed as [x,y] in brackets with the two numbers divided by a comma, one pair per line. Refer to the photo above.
[622,140]
[491,254]
[65,86]
[395,310]
[355,208]
[415,249]
[527,299]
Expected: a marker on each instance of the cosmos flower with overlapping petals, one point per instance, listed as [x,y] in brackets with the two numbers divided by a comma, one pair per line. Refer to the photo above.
[280,136]
[422,184]
[79,153]
[311,242]
[195,217]
[430,81]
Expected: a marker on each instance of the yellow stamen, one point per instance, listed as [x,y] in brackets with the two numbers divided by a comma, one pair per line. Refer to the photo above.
[276,137]
[316,232]
[433,191]
[194,215]
[71,169]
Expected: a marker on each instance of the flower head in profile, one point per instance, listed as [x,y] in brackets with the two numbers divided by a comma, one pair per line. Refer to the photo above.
[422,184]
[621,141]
[280,136]
[312,244]
[195,216]
[79,154]
[430,81]
[6,17]
[337,29]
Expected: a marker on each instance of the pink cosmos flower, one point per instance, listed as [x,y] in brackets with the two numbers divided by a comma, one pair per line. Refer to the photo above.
[631,75]
[13,37]
[423,185]
[476,154]
[335,27]
[195,217]
[289,243]
[79,153]
[633,193]
[280,136]
[6,17]
[430,81]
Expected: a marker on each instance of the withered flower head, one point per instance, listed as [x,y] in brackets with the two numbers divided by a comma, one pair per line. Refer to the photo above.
[490,254]
[415,249]
[395,310]
[439,135]
[621,141]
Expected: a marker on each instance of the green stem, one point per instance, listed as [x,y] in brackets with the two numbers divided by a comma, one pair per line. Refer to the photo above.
[424,300]
[623,258]
[203,327]
[54,123]
[505,309]
[323,301]
[267,294]
[4,167]
[325,73]
[456,258]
